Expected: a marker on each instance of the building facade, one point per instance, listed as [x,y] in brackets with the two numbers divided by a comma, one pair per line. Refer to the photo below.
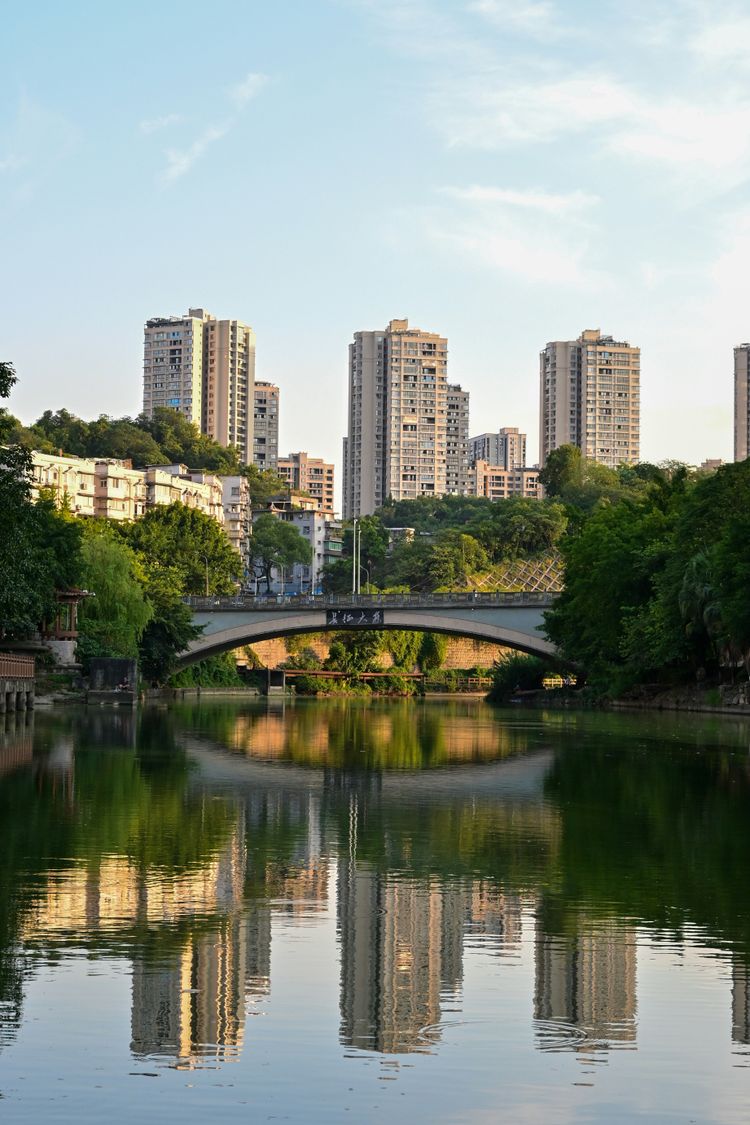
[741,402]
[205,368]
[590,397]
[266,425]
[104,489]
[173,365]
[398,413]
[112,489]
[237,516]
[304,473]
[495,482]
[506,448]
[457,442]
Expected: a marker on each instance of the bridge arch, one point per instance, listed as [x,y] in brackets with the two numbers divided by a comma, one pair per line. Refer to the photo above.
[516,626]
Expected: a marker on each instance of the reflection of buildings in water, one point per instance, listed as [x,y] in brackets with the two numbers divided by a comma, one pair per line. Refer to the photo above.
[118,893]
[16,740]
[495,918]
[192,1007]
[401,952]
[588,982]
[302,889]
[740,1002]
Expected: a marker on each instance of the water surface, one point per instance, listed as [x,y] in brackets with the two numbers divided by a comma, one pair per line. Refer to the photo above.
[340,911]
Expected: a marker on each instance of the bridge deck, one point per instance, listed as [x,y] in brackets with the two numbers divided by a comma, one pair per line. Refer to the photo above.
[262,603]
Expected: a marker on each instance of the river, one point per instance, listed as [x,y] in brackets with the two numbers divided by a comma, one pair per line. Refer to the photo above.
[341,911]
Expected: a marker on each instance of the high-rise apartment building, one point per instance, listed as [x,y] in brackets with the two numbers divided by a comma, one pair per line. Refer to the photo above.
[266,422]
[398,407]
[506,448]
[173,371]
[205,368]
[590,397]
[457,442]
[741,402]
[312,475]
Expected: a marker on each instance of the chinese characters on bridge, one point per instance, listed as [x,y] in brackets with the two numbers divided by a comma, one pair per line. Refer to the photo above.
[351,618]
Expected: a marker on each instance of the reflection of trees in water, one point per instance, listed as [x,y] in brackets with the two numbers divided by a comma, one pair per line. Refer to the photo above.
[402,734]
[95,818]
[140,862]
[655,834]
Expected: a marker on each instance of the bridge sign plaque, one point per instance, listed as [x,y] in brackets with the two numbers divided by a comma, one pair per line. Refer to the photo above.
[354,618]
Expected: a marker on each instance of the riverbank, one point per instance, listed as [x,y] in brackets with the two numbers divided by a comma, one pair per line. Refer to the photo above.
[726,699]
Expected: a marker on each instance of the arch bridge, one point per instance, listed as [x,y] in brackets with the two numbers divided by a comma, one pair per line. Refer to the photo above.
[512,619]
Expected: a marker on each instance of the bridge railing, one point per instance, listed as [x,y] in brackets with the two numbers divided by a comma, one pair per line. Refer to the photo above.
[250,602]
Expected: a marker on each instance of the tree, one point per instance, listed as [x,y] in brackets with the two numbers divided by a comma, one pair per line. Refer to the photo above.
[182,442]
[168,633]
[8,380]
[264,485]
[609,580]
[522,526]
[111,622]
[189,546]
[274,544]
[563,468]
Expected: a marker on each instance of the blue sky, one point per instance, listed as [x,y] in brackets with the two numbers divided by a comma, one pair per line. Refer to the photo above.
[502,172]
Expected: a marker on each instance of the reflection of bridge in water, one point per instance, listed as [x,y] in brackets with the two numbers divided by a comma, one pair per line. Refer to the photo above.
[515,620]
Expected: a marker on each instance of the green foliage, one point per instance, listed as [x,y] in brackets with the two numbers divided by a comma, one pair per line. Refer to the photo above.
[167,438]
[8,379]
[304,658]
[112,622]
[188,546]
[213,672]
[354,652]
[563,469]
[516,672]
[264,485]
[520,526]
[39,549]
[432,651]
[404,647]
[168,633]
[656,584]
[275,543]
[434,513]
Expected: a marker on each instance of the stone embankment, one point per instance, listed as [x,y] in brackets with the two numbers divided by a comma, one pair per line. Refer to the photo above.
[462,652]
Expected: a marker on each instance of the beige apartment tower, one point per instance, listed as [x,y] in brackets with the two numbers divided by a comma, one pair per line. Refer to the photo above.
[590,397]
[741,402]
[266,425]
[205,368]
[312,475]
[457,442]
[398,417]
[506,448]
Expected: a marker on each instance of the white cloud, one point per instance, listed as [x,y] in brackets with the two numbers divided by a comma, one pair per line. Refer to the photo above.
[551,203]
[12,163]
[248,88]
[156,123]
[538,18]
[536,236]
[718,41]
[180,161]
[703,135]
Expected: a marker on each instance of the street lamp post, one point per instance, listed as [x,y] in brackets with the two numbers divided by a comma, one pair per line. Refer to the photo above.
[355,559]
[367,572]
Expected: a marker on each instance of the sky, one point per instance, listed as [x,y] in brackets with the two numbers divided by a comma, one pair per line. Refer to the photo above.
[504,172]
